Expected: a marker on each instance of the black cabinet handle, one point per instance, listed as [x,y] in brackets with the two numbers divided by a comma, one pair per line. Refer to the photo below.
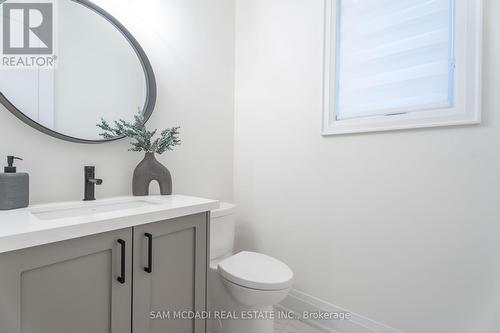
[149,269]
[121,278]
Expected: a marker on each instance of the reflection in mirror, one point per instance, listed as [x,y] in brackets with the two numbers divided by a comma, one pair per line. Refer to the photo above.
[99,72]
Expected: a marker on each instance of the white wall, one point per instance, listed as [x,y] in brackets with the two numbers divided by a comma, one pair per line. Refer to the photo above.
[191,46]
[401,227]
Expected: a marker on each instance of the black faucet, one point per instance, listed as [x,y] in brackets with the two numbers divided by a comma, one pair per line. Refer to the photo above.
[90,183]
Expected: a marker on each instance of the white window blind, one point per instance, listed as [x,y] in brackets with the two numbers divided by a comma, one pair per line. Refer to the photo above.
[394,56]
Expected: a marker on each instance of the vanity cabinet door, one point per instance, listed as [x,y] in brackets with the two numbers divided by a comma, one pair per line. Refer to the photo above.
[176,278]
[69,286]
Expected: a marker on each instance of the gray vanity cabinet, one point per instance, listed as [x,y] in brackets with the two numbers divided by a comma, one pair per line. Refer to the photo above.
[86,285]
[69,286]
[170,267]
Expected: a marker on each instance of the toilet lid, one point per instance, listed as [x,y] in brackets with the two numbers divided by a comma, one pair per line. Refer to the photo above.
[256,271]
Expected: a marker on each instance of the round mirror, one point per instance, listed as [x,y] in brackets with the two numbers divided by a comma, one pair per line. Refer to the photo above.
[69,64]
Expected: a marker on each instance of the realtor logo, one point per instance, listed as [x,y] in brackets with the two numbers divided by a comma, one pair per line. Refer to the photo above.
[27,28]
[27,34]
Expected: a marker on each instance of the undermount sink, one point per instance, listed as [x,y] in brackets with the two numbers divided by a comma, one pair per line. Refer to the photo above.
[90,209]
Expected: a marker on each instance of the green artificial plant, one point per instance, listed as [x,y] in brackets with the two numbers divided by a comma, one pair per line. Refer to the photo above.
[143,139]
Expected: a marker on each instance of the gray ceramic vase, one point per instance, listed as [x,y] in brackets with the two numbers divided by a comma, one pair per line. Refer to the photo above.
[147,171]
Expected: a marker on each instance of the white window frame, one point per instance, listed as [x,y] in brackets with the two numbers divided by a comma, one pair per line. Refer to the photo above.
[467,105]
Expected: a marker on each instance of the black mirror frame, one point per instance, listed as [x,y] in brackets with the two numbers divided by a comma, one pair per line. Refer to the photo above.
[151,93]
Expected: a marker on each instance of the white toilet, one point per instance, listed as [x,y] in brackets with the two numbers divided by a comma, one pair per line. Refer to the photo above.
[243,287]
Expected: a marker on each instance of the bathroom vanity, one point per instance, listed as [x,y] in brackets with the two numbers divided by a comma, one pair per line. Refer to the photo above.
[105,266]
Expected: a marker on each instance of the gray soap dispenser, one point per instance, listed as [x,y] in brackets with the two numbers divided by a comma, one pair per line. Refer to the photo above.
[14,187]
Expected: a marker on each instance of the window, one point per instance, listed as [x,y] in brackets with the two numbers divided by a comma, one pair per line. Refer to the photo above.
[396,64]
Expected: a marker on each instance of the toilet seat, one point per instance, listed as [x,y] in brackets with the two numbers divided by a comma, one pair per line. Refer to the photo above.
[256,271]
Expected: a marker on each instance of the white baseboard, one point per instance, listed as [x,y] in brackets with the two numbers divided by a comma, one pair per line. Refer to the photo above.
[300,302]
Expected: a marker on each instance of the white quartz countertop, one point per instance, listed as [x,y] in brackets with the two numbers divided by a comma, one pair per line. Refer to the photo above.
[49,223]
